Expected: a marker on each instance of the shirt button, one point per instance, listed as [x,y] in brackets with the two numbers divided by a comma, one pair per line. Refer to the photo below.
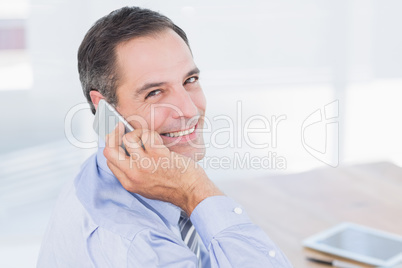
[272,253]
[238,211]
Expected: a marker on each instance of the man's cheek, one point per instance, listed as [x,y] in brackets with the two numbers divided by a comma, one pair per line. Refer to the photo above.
[138,121]
[200,102]
[157,119]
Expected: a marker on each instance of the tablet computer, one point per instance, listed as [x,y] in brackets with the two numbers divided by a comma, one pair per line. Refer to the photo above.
[359,243]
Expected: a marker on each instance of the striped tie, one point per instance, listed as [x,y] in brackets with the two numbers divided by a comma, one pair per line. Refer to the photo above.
[189,235]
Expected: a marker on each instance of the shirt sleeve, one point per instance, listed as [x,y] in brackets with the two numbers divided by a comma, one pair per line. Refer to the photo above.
[231,238]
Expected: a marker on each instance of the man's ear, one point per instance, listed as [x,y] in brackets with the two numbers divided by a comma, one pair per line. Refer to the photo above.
[95,97]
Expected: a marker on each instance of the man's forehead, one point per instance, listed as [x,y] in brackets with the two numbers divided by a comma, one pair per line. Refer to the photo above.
[154,57]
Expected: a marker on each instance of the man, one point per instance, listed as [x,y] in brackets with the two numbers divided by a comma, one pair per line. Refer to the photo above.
[121,212]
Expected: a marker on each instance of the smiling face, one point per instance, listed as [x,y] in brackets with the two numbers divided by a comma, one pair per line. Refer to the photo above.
[158,89]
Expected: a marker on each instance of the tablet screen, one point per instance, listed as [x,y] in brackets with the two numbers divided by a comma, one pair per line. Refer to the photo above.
[364,243]
[359,243]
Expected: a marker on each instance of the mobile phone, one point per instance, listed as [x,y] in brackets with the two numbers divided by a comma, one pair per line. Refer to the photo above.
[106,120]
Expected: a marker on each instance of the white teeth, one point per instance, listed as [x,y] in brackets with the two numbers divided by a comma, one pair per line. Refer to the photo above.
[180,133]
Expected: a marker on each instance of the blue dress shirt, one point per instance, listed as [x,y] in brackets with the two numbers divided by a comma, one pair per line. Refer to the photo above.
[97,223]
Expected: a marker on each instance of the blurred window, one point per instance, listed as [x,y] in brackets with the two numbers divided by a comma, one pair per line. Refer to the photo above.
[15,66]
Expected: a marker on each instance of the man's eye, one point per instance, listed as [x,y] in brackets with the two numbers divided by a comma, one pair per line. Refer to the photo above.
[153,93]
[192,79]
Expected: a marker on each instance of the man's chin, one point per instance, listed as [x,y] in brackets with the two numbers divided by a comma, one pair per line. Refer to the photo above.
[195,154]
[198,155]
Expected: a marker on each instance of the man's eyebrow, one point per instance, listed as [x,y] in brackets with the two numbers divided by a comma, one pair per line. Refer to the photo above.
[147,86]
[193,71]
[151,85]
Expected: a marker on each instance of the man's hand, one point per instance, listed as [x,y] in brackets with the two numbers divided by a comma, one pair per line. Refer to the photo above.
[155,172]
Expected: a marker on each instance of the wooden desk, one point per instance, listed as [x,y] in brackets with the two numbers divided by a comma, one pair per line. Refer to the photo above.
[290,208]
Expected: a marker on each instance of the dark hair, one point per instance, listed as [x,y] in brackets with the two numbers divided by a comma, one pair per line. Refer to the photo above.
[96,54]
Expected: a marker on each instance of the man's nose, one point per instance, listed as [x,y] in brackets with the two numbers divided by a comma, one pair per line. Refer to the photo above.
[184,104]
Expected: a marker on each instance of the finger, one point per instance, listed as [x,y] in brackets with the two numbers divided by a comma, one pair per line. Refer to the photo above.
[116,171]
[133,141]
[153,140]
[115,153]
[114,139]
[121,176]
[117,157]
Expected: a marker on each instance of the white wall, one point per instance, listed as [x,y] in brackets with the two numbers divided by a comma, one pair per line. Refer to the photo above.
[255,47]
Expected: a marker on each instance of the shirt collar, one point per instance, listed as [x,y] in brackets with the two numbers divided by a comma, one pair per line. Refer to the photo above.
[167,211]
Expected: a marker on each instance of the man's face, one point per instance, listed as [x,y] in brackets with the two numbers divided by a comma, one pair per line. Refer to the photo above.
[159,90]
